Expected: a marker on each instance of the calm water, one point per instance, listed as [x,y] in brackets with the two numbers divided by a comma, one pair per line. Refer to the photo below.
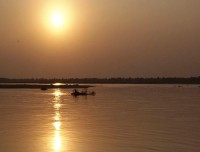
[120,118]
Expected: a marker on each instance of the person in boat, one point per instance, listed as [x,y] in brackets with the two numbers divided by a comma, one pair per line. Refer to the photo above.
[75,91]
[84,91]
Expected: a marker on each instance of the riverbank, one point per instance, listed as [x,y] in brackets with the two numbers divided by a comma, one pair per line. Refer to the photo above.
[43,86]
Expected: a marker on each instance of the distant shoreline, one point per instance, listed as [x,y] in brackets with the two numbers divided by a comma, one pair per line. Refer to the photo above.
[42,86]
[120,80]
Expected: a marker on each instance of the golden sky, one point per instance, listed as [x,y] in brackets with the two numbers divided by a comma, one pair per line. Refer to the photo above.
[99,38]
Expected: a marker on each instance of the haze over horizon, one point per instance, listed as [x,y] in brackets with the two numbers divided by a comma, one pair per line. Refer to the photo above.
[92,38]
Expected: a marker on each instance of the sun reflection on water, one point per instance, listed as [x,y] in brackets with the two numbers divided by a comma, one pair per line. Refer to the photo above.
[57,141]
[57,116]
[57,120]
[57,93]
[57,125]
[57,106]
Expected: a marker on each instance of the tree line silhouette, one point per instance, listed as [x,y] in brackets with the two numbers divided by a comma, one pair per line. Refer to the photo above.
[113,80]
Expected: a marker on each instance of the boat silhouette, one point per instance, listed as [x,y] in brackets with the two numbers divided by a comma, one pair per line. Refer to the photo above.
[82,93]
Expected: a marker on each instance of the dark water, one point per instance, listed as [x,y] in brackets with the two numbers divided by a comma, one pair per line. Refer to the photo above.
[120,118]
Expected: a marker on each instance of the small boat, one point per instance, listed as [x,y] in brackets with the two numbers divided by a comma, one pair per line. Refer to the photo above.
[82,93]
[43,88]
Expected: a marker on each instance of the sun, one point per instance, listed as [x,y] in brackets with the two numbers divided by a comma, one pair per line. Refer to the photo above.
[57,19]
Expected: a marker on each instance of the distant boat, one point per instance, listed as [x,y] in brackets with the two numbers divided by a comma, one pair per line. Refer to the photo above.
[82,93]
[43,88]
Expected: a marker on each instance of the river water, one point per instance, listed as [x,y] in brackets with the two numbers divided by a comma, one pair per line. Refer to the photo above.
[120,118]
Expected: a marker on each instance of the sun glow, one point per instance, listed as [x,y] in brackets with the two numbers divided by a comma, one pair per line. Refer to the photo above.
[57,19]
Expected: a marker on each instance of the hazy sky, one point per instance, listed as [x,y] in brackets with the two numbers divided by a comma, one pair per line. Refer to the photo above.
[100,38]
